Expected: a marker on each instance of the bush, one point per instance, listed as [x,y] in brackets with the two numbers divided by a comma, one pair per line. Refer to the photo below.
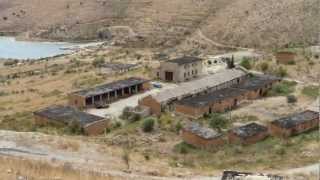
[281,71]
[291,99]
[246,63]
[148,125]
[283,89]
[264,66]
[217,121]
[311,91]
[98,61]
[183,148]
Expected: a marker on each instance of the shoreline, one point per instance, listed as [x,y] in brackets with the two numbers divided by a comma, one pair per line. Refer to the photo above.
[69,47]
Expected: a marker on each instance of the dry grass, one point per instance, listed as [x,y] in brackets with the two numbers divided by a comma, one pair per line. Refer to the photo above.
[12,168]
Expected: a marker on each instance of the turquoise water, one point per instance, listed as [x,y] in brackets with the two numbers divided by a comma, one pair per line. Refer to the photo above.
[10,48]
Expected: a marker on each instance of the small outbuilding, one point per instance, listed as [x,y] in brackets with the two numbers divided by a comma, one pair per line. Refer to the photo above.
[201,137]
[294,124]
[285,57]
[248,134]
[68,116]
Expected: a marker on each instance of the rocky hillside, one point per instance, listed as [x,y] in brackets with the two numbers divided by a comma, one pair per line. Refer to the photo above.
[166,23]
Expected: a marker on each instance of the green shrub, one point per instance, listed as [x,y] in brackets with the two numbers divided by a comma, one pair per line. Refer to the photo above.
[246,63]
[283,88]
[264,66]
[311,91]
[183,148]
[217,121]
[281,71]
[98,61]
[291,99]
[148,125]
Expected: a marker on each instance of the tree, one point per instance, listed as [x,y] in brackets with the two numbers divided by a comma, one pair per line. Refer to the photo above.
[148,125]
[230,63]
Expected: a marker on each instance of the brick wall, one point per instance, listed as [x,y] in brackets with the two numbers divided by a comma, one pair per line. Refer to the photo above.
[285,57]
[282,132]
[154,106]
[197,141]
[96,128]
[234,139]
[77,101]
[197,112]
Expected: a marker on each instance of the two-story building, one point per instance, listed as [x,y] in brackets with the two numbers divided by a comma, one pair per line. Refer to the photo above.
[180,69]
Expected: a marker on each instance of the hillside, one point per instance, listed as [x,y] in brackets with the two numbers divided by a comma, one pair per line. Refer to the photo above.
[166,23]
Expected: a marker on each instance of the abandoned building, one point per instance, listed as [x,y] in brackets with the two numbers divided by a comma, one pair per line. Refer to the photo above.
[107,93]
[214,102]
[64,115]
[294,124]
[234,175]
[165,99]
[258,85]
[201,137]
[180,69]
[285,57]
[248,134]
[116,68]
[225,99]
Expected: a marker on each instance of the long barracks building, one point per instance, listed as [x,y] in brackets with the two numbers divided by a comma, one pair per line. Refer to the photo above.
[107,93]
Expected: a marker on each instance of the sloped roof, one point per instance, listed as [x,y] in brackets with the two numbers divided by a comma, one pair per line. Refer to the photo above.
[185,60]
[249,130]
[199,85]
[296,119]
[258,81]
[202,132]
[206,99]
[66,114]
[105,88]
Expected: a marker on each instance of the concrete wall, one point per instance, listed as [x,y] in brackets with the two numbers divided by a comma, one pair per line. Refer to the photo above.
[301,128]
[234,139]
[181,73]
[199,142]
